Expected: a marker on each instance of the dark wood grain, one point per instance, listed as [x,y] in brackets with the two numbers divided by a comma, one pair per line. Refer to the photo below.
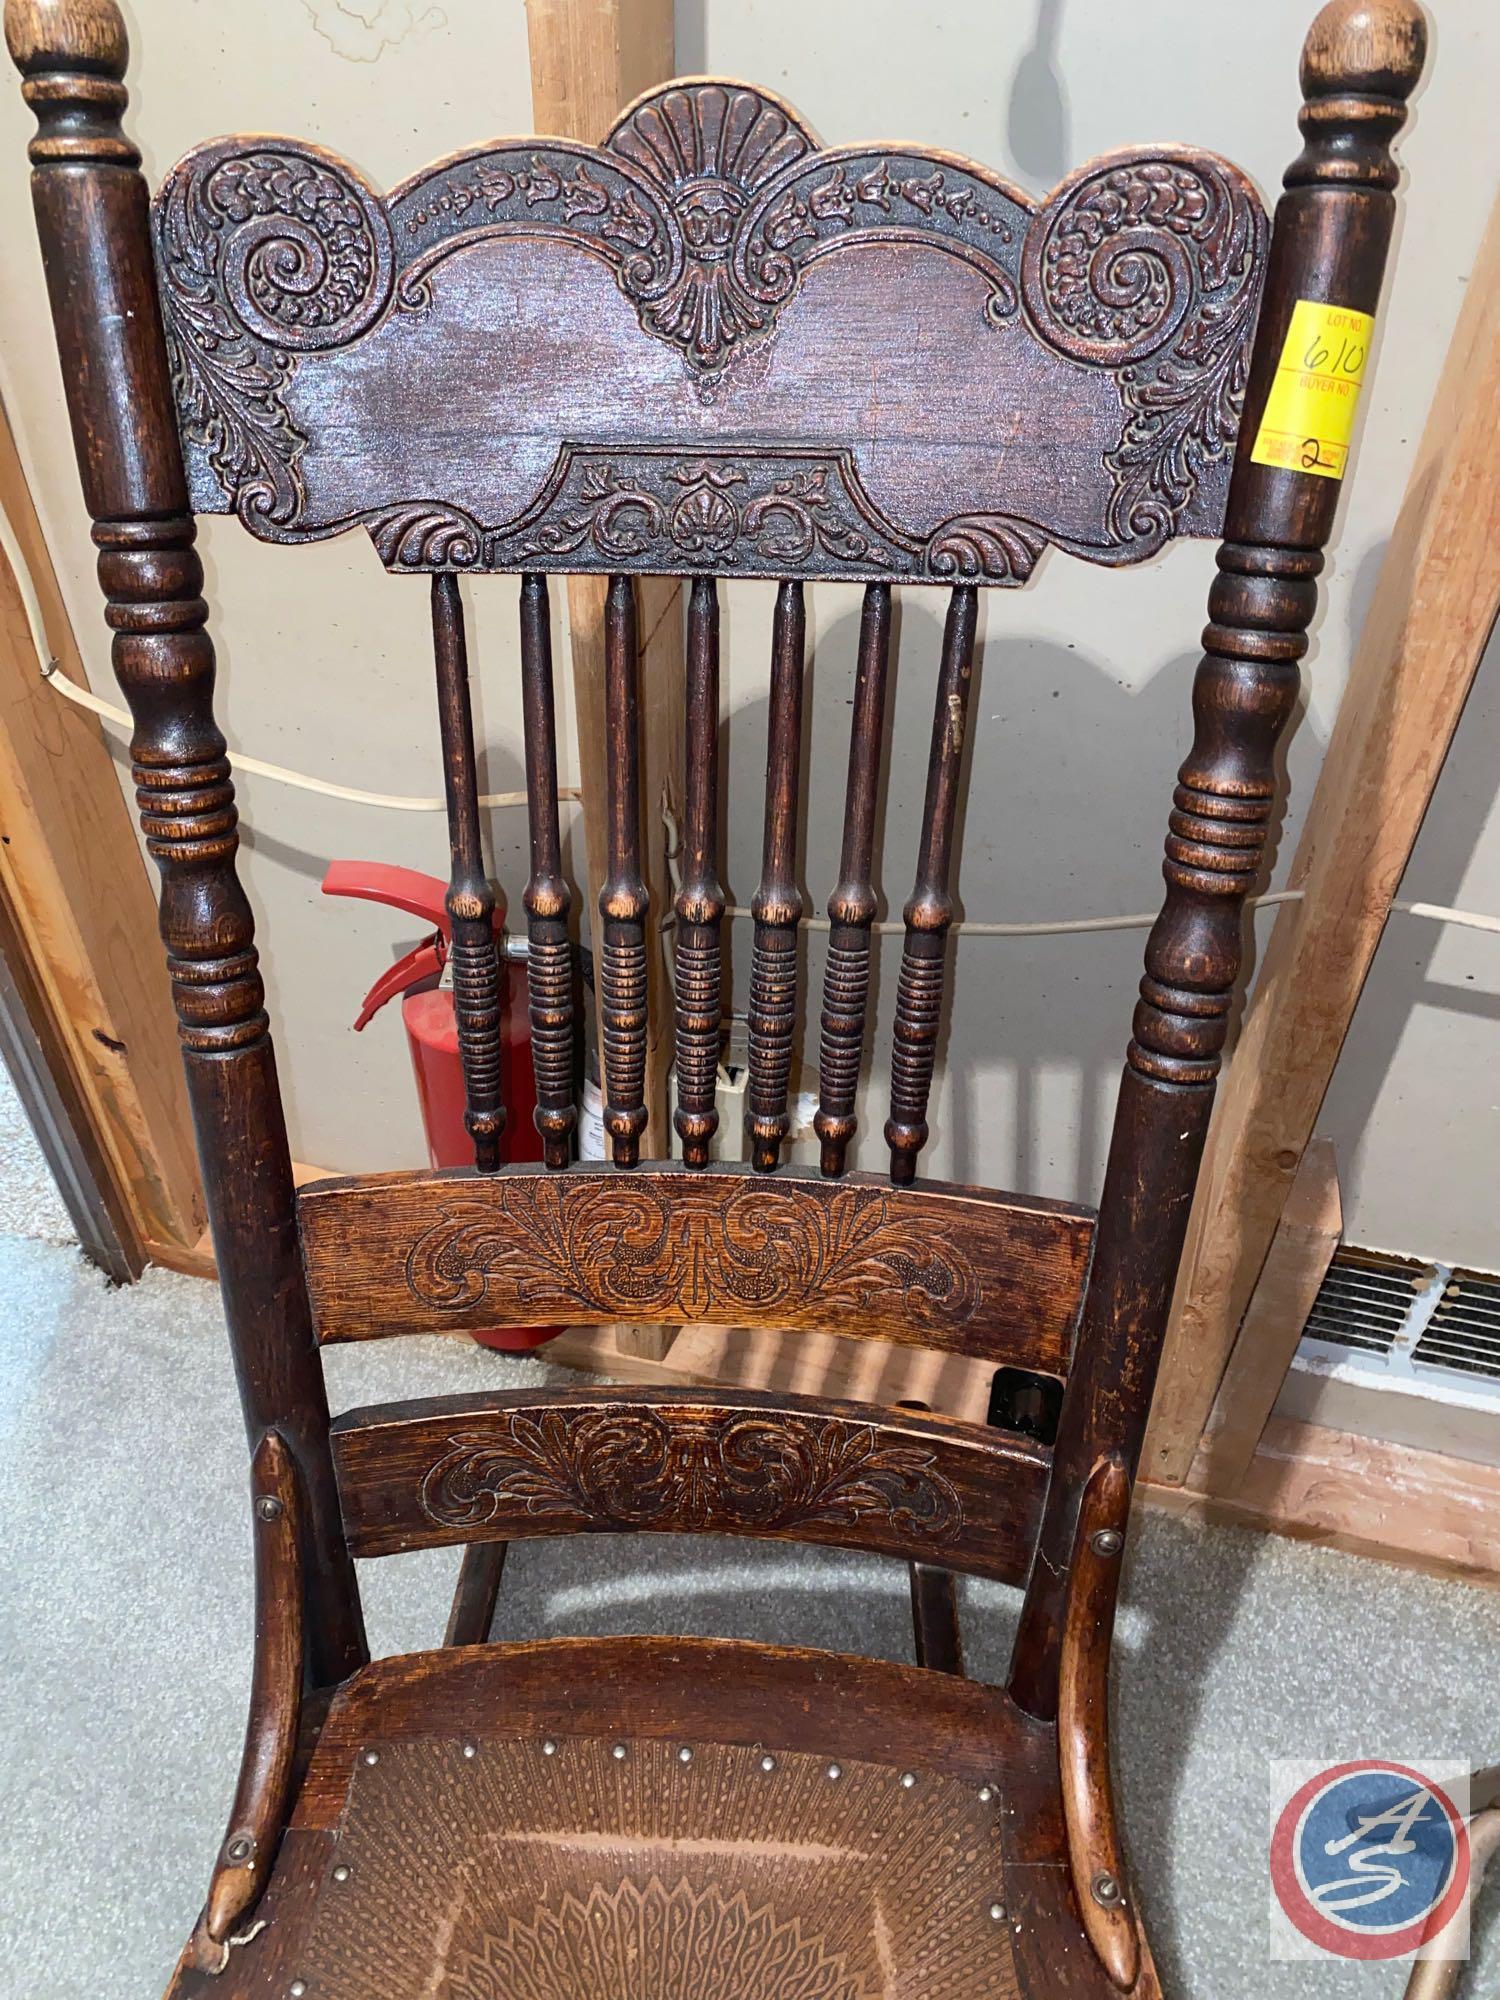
[91,214]
[514,1465]
[689,1692]
[851,907]
[777,903]
[934,1618]
[549,949]
[679,353]
[1331,235]
[1095,1854]
[929,912]
[952,1268]
[470,902]
[476,1594]
[697,965]
[622,899]
[706,348]
[263,1796]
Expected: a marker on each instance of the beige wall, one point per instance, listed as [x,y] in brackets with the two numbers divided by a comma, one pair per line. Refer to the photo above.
[1082,705]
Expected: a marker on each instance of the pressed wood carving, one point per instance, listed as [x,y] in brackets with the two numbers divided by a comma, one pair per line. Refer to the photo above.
[705,1468]
[616,1245]
[869,361]
[620,1869]
[721,1947]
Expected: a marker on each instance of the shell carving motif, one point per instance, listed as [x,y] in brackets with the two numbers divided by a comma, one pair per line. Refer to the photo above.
[710,205]
[709,151]
[635,1469]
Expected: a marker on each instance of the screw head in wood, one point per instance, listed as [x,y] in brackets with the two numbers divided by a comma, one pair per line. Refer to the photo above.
[268,1507]
[341,1873]
[618,1753]
[471,1748]
[239,1848]
[1108,1542]
[684,1755]
[372,1756]
[549,1748]
[297,1988]
[908,1779]
[986,1793]
[1107,1891]
[835,1771]
[768,1762]
[997,1913]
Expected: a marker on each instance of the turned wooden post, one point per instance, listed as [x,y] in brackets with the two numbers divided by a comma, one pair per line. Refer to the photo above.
[91,211]
[1361,60]
[698,961]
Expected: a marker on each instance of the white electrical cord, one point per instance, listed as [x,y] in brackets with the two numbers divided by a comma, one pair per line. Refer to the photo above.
[399,802]
[351,794]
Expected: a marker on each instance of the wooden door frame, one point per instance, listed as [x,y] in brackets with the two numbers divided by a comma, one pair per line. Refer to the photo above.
[90,1034]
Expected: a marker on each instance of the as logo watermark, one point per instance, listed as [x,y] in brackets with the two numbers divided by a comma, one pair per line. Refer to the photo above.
[1369,1860]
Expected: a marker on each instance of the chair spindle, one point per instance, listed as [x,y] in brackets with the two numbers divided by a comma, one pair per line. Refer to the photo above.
[473,953]
[549,951]
[777,904]
[919,993]
[623,900]
[697,958]
[851,907]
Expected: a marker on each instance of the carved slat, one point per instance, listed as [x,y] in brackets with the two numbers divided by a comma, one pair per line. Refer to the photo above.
[709,355]
[623,900]
[514,1465]
[851,907]
[470,901]
[549,950]
[919,995]
[953,1268]
[777,904]
[698,951]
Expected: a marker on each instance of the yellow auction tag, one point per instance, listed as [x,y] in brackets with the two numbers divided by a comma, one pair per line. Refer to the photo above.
[1309,415]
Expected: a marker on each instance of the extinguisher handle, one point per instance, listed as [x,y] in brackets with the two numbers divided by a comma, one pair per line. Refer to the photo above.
[423,963]
[399,888]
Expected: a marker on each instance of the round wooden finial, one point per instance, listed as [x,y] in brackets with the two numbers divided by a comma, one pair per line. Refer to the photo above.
[1365,48]
[86,35]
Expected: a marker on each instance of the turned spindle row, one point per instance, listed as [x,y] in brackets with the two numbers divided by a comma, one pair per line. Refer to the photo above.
[698,974]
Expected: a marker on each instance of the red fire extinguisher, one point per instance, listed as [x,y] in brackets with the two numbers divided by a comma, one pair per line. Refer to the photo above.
[432,1035]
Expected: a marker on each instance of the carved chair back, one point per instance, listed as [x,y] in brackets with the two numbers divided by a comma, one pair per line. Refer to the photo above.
[708,348]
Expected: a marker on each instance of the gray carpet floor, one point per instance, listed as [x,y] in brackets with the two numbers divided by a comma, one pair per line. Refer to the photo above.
[125,1610]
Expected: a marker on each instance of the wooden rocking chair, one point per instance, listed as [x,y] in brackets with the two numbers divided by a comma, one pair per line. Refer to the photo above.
[705,348]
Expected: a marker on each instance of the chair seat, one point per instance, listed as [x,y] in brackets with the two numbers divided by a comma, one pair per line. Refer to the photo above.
[649,1819]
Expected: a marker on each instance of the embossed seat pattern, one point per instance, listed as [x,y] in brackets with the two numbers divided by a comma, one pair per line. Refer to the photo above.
[555,1868]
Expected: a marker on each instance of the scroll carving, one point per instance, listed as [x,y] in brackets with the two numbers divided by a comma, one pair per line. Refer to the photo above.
[1118,313]
[850,196]
[720,512]
[612,1246]
[264,253]
[1154,261]
[635,1469]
